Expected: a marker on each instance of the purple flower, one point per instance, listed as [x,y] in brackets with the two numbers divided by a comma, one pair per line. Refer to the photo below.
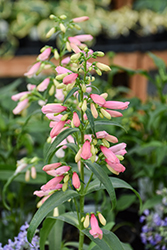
[157,219]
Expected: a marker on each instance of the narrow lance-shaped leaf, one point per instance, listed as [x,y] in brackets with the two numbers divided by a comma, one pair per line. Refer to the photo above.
[103,177]
[72,91]
[53,201]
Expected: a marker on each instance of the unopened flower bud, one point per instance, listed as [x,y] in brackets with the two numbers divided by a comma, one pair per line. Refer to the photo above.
[99,53]
[64,117]
[92,149]
[56,83]
[51,90]
[94,110]
[33,172]
[78,155]
[106,143]
[104,95]
[98,71]
[77,27]
[102,219]
[84,106]
[75,57]
[60,86]
[52,17]
[68,46]
[66,178]
[61,76]
[120,157]
[64,187]
[50,32]
[94,141]
[62,27]
[84,88]
[56,54]
[105,113]
[103,66]
[63,17]
[76,181]
[27,175]
[86,221]
[93,158]
[101,115]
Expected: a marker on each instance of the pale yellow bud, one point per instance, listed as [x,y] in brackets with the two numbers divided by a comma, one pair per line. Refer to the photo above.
[84,106]
[56,83]
[72,124]
[82,219]
[105,113]
[50,32]
[52,90]
[104,95]
[98,71]
[94,141]
[106,143]
[93,158]
[23,97]
[77,27]
[52,17]
[27,175]
[75,57]
[84,88]
[94,110]
[60,86]
[39,204]
[49,139]
[86,221]
[56,212]
[66,178]
[70,86]
[101,115]
[103,66]
[64,117]
[96,150]
[120,157]
[33,172]
[56,54]
[90,68]
[92,149]
[102,219]
[34,159]
[65,186]
[78,155]
[47,66]
[61,76]
[99,53]
[63,17]
[62,27]
[68,46]
[80,104]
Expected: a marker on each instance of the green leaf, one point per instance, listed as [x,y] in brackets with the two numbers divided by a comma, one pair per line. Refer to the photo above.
[158,61]
[91,120]
[76,245]
[103,177]
[125,201]
[72,91]
[108,242]
[53,201]
[45,230]
[102,123]
[72,146]
[116,182]
[70,217]
[53,147]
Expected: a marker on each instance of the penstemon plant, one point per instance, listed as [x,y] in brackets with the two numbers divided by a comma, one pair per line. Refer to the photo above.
[76,111]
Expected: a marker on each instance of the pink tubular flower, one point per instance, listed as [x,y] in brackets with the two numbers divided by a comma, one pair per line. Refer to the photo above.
[83,38]
[115,168]
[33,70]
[109,154]
[74,40]
[59,94]
[53,108]
[114,113]
[51,185]
[80,19]
[98,99]
[66,60]
[20,106]
[57,129]
[61,70]
[45,54]
[41,193]
[116,105]
[43,85]
[75,48]
[95,231]
[59,171]
[70,78]
[86,150]
[75,180]
[105,135]
[19,95]
[76,120]
[119,149]
[51,166]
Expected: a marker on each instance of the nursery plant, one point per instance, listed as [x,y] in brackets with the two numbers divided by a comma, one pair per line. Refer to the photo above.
[77,111]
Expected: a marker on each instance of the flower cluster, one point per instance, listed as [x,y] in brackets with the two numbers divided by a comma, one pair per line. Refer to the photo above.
[20,242]
[154,230]
[74,107]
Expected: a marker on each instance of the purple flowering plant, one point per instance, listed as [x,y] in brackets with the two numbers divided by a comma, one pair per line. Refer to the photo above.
[154,229]
[77,111]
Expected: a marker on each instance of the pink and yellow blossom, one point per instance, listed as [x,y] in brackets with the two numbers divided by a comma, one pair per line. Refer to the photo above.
[33,70]
[86,150]
[45,54]
[20,106]
[75,180]
[53,108]
[95,231]
[98,99]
